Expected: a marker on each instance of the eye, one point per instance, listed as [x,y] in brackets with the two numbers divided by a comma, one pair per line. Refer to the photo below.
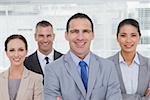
[74,31]
[50,35]
[21,49]
[122,35]
[87,31]
[11,50]
[133,34]
[40,35]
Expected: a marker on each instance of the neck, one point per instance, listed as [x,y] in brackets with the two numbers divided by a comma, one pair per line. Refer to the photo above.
[15,72]
[46,52]
[128,57]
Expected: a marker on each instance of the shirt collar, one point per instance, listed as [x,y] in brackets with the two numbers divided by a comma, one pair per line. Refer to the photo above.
[135,60]
[42,56]
[77,59]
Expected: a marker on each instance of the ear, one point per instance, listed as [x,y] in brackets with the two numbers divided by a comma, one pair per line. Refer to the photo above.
[6,53]
[35,36]
[53,37]
[93,35]
[66,35]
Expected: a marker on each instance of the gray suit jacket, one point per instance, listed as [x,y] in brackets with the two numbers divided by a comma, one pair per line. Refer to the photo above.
[31,87]
[143,80]
[32,62]
[62,79]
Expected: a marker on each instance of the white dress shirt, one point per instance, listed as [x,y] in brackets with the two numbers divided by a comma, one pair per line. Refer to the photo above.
[130,74]
[42,60]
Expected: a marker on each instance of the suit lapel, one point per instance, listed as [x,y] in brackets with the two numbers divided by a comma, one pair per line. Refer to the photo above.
[57,55]
[116,61]
[4,85]
[23,85]
[72,70]
[36,63]
[93,71]
[143,74]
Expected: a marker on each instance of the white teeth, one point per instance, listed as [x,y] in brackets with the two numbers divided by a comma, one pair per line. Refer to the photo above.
[80,44]
[45,44]
[17,59]
[128,46]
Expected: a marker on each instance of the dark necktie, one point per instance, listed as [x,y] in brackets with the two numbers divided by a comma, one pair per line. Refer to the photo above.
[47,61]
[84,75]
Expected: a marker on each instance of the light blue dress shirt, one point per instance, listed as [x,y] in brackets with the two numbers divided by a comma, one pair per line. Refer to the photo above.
[130,74]
[77,60]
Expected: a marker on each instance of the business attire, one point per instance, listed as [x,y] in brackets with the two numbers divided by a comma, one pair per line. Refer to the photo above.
[32,62]
[143,78]
[30,88]
[62,78]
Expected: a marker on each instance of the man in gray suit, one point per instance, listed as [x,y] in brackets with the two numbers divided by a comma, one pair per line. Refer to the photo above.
[80,74]
[44,36]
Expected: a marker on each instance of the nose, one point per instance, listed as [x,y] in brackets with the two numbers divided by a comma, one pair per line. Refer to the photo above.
[80,35]
[45,38]
[16,54]
[128,39]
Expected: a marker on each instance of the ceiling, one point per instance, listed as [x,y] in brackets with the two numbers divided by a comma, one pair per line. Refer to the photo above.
[62,1]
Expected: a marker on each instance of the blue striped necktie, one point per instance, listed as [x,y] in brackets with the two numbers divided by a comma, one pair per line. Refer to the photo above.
[84,75]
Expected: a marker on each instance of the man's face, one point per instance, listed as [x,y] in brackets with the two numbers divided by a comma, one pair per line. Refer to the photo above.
[79,36]
[44,37]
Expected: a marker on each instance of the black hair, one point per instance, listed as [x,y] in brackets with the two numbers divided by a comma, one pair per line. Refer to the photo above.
[79,15]
[129,21]
[16,36]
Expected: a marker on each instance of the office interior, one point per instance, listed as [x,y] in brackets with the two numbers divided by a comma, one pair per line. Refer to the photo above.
[21,16]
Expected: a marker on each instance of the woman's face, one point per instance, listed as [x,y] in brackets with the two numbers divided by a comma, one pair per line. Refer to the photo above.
[128,38]
[16,52]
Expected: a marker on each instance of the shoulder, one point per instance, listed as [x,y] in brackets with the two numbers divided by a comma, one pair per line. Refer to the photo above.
[55,51]
[103,61]
[4,74]
[56,64]
[35,76]
[32,55]
[113,57]
[141,57]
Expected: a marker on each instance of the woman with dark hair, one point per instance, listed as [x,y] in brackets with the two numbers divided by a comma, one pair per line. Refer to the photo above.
[18,83]
[133,69]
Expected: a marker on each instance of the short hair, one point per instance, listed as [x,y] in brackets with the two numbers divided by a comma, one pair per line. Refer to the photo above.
[129,21]
[16,36]
[44,23]
[79,15]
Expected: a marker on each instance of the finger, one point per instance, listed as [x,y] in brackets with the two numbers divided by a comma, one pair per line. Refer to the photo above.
[58,98]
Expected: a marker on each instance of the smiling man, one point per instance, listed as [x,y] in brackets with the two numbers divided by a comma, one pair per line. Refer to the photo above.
[80,74]
[45,53]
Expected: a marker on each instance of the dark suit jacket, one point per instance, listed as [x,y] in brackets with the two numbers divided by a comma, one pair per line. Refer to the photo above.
[32,62]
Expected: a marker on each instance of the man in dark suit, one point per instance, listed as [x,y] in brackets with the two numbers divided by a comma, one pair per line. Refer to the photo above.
[45,53]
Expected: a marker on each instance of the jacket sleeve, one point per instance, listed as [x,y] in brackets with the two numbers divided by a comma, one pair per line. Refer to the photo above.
[38,88]
[51,84]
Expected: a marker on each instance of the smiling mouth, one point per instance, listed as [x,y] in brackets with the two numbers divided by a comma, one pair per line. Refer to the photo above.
[16,60]
[128,46]
[80,44]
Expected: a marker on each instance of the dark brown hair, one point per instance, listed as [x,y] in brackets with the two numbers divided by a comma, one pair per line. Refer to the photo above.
[16,36]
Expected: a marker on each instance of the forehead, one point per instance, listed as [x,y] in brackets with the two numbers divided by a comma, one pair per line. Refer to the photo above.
[15,43]
[42,30]
[80,23]
[128,27]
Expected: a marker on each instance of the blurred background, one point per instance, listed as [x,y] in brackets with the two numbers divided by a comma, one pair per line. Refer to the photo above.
[21,16]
